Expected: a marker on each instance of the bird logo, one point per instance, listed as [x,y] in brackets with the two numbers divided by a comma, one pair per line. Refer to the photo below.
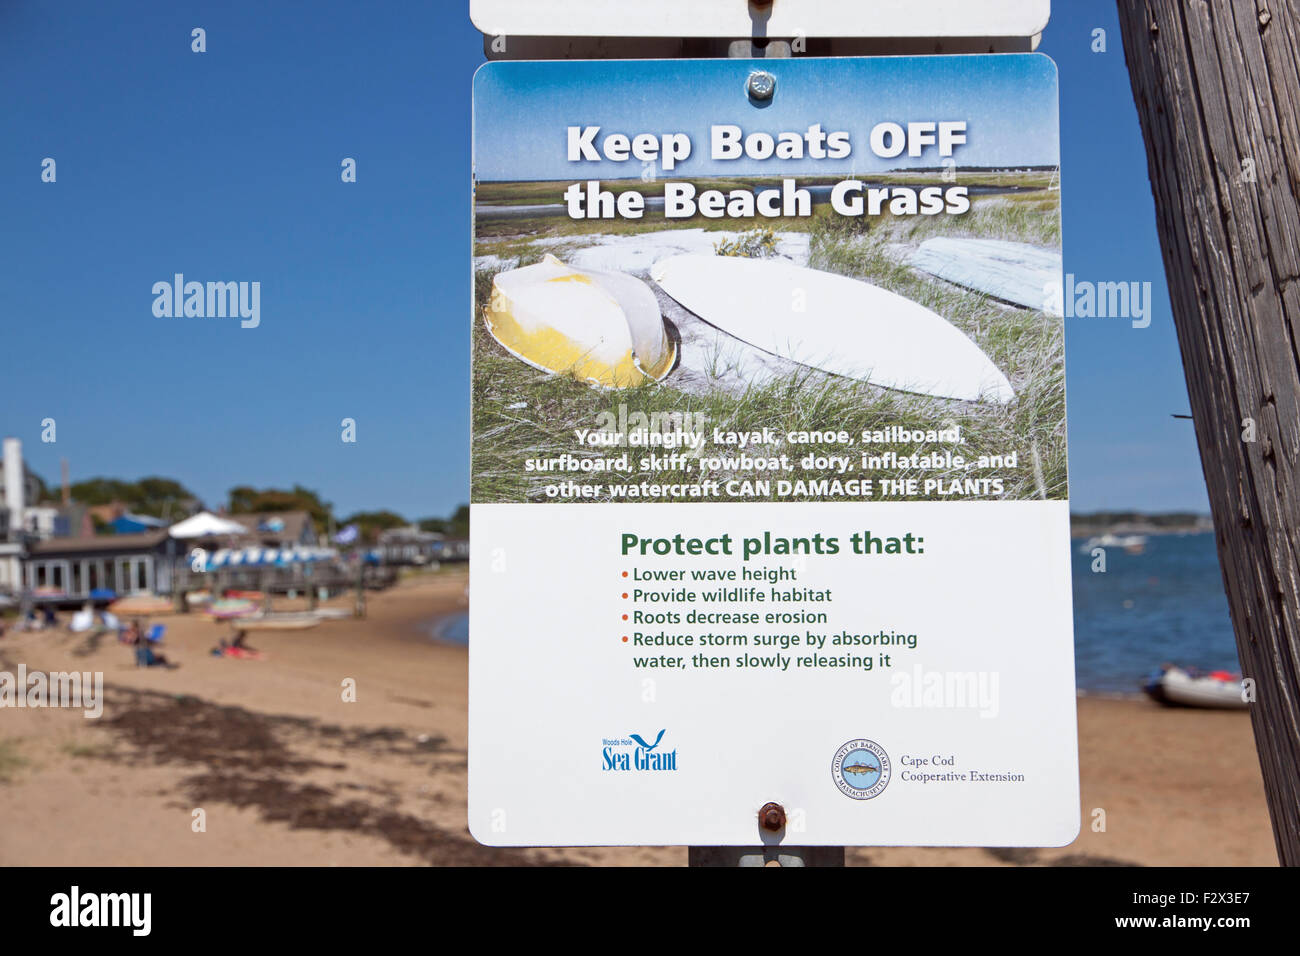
[646,746]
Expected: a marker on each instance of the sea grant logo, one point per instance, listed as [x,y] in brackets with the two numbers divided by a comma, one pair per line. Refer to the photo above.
[73,909]
[212,300]
[633,753]
[36,689]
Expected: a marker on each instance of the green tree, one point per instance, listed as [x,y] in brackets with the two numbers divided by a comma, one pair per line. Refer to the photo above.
[371,523]
[245,499]
[457,526]
[153,495]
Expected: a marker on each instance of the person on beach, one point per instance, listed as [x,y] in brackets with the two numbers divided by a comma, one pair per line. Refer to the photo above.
[145,655]
[130,635]
[236,647]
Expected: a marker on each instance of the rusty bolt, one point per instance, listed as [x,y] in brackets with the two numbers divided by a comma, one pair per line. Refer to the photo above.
[771,817]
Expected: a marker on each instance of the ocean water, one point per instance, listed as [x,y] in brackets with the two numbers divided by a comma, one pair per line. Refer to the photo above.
[1164,605]
[454,628]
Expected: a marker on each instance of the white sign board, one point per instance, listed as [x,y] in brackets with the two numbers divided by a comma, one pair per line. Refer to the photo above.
[769,493]
[784,18]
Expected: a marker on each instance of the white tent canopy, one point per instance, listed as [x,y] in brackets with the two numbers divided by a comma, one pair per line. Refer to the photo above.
[205,525]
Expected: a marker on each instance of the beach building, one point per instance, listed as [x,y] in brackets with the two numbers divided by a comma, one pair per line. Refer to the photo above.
[18,487]
[58,521]
[452,549]
[69,569]
[409,546]
[129,523]
[278,529]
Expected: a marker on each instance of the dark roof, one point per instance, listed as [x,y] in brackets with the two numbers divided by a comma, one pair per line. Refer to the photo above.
[144,541]
[294,522]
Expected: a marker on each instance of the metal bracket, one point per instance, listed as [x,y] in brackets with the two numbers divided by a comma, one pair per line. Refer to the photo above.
[763,855]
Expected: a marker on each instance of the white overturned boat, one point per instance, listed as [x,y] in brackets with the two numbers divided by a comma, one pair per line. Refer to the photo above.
[603,328]
[833,323]
[289,621]
[1011,271]
[1177,687]
[333,613]
[1132,543]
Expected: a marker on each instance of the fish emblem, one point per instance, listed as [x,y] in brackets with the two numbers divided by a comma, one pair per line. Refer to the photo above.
[857,768]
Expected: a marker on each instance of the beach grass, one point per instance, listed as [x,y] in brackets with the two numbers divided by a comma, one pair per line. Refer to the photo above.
[538,192]
[10,760]
[520,413]
[85,750]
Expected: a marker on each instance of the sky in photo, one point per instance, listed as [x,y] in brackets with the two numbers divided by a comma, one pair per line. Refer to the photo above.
[524,111]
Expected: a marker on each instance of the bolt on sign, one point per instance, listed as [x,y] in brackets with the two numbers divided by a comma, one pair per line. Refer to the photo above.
[769,455]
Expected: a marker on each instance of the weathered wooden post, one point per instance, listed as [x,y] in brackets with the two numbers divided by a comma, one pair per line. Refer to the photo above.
[360,609]
[1218,95]
[179,566]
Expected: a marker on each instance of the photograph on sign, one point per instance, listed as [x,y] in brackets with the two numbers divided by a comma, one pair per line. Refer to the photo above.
[769,479]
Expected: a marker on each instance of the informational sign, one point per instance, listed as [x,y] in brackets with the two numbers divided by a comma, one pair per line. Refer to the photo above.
[782,18]
[769,494]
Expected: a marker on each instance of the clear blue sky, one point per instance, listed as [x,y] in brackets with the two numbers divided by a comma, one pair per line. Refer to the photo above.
[225,166]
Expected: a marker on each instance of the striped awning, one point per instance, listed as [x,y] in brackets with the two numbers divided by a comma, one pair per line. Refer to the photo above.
[265,557]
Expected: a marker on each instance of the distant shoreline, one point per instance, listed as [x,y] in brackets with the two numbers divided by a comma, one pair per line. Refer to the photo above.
[1134,522]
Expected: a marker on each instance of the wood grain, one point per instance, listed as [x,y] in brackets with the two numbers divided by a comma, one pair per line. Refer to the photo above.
[1218,96]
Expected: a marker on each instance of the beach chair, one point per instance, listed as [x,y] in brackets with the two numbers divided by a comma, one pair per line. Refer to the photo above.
[156,633]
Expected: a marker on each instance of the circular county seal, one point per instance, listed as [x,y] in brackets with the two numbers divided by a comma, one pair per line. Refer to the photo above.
[861,769]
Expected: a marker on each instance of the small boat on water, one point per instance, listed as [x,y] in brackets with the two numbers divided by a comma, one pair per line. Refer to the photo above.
[1132,543]
[1185,687]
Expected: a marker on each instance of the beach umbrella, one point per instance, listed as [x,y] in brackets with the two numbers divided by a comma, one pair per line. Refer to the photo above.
[140,604]
[206,525]
[226,609]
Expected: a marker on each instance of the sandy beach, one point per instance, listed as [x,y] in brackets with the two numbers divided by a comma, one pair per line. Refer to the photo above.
[286,772]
